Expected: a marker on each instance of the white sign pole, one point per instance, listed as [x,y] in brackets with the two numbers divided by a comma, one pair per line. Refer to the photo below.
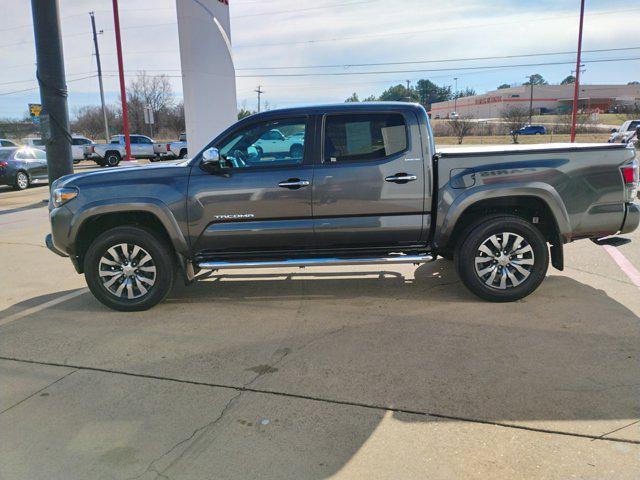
[208,73]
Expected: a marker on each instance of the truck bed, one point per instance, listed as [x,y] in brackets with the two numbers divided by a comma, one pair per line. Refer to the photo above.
[457,151]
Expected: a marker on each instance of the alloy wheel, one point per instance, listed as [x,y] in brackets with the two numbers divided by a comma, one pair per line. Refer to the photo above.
[504,260]
[22,180]
[127,271]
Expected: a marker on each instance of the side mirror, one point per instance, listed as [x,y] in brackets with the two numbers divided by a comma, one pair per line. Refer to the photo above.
[211,156]
[614,130]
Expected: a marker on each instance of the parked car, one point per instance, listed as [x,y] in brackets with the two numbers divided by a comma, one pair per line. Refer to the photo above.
[274,144]
[5,142]
[368,188]
[21,167]
[172,149]
[34,142]
[531,130]
[78,143]
[110,154]
[625,133]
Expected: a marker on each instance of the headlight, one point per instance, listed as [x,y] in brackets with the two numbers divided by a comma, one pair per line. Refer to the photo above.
[60,196]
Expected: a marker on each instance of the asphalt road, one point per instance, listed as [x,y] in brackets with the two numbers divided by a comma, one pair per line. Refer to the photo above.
[319,373]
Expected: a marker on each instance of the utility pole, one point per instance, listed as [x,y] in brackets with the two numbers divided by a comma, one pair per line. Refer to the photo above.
[530,99]
[259,91]
[574,113]
[104,108]
[54,119]
[455,96]
[408,85]
[123,91]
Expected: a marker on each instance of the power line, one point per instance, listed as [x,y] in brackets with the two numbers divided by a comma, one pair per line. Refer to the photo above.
[37,87]
[326,74]
[442,60]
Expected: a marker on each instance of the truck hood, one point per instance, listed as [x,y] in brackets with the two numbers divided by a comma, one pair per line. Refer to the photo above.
[173,168]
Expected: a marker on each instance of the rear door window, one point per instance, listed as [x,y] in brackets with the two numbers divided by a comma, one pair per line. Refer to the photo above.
[364,137]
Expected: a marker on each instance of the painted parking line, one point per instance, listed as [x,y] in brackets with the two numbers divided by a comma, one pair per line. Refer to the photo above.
[625,265]
[42,306]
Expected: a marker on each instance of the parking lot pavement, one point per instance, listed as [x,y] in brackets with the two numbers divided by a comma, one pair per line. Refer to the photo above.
[317,373]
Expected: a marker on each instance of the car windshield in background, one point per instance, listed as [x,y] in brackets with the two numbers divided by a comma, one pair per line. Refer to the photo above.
[633,126]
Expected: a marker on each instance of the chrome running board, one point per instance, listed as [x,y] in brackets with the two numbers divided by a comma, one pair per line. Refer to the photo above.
[318,262]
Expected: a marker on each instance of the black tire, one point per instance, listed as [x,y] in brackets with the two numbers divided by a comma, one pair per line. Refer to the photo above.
[22,181]
[183,153]
[112,159]
[485,287]
[161,258]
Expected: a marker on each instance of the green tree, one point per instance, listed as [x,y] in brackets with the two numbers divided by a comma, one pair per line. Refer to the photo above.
[536,79]
[429,93]
[370,98]
[569,80]
[635,82]
[244,113]
[504,85]
[399,93]
[353,98]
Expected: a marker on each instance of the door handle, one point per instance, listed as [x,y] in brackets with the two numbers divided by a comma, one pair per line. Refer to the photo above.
[401,178]
[294,183]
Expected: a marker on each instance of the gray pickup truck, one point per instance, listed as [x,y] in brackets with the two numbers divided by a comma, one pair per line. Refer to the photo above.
[367,187]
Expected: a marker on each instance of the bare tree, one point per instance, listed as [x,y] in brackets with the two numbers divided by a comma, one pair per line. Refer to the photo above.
[149,90]
[461,127]
[515,118]
[89,121]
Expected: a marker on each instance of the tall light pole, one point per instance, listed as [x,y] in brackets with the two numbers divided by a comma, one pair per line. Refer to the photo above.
[123,91]
[455,96]
[104,108]
[574,113]
[54,119]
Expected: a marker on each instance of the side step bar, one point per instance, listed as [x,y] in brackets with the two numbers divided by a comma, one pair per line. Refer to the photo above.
[318,262]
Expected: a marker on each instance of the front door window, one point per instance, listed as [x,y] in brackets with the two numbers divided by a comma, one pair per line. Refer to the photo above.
[271,143]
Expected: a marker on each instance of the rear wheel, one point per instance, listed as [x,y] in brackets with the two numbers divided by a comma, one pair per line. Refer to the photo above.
[112,159]
[129,269]
[502,259]
[22,181]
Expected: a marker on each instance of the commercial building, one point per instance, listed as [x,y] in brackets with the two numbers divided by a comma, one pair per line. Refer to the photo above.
[546,99]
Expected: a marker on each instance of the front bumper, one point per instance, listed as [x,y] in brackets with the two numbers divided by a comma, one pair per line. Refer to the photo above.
[631,218]
[48,240]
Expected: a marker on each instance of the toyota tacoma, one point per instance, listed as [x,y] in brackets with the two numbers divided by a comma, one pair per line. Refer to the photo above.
[367,187]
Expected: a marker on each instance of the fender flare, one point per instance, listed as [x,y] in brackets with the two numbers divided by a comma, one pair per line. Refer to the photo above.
[447,220]
[133,204]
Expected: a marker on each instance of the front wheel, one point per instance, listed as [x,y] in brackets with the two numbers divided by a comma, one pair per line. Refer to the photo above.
[502,259]
[112,159]
[129,269]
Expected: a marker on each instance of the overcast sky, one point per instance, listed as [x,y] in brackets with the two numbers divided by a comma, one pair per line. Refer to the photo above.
[300,33]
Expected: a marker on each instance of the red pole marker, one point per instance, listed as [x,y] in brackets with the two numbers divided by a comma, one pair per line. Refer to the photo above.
[123,91]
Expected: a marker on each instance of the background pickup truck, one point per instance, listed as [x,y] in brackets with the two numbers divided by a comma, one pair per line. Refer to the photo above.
[110,154]
[367,187]
[172,149]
